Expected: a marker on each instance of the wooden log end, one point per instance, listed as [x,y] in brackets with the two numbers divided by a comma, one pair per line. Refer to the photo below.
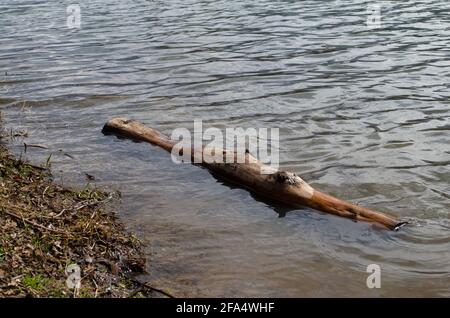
[122,128]
[115,125]
[400,225]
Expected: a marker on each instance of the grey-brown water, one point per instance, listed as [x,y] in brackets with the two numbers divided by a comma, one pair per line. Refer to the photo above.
[363,114]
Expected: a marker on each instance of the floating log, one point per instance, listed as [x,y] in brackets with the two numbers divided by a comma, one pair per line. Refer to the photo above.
[284,187]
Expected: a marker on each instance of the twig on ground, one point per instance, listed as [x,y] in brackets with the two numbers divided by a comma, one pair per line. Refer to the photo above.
[146,285]
[34,224]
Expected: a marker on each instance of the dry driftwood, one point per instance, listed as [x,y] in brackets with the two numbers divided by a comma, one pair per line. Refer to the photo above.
[282,186]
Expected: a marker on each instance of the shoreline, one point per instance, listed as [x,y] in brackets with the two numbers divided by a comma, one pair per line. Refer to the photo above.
[58,241]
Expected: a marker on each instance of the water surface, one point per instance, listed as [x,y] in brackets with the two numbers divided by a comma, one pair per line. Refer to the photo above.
[363,114]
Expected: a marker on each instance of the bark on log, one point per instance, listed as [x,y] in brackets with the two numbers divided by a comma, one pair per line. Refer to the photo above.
[282,186]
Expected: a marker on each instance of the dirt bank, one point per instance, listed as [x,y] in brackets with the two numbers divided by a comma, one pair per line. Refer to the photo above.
[50,233]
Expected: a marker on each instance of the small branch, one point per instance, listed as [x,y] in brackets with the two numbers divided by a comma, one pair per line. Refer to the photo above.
[34,146]
[33,224]
[146,285]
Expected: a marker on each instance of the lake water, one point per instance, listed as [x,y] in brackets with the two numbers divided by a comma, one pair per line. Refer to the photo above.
[363,113]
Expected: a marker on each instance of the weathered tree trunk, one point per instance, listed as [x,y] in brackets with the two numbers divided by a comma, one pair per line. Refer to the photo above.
[284,187]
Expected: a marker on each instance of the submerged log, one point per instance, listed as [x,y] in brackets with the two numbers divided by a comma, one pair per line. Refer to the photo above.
[284,187]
